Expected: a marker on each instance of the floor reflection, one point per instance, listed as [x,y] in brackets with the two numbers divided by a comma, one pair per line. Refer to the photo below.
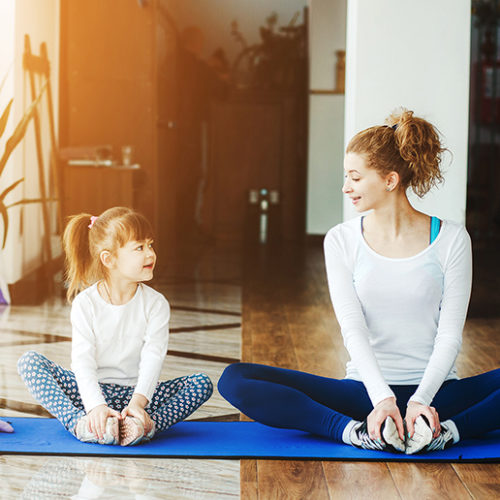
[82,478]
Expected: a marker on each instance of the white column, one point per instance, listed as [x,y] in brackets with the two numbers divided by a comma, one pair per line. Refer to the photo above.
[327,20]
[7,10]
[416,55]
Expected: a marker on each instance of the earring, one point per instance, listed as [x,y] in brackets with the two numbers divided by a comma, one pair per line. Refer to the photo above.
[387,189]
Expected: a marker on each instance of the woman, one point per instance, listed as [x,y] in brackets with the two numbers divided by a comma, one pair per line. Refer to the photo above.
[400,283]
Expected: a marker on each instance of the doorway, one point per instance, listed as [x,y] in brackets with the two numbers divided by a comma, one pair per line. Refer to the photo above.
[483,188]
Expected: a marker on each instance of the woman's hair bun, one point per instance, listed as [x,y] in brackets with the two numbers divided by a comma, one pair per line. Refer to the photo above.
[420,148]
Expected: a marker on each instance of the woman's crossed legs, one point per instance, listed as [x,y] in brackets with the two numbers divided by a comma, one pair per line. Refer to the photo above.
[296,400]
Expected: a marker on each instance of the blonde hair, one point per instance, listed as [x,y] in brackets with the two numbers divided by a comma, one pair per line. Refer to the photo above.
[407,145]
[84,240]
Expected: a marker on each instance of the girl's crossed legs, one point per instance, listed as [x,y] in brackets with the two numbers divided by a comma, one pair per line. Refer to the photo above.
[55,388]
[296,400]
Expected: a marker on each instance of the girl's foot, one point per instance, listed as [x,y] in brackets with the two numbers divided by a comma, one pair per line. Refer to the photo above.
[131,431]
[390,438]
[149,432]
[111,433]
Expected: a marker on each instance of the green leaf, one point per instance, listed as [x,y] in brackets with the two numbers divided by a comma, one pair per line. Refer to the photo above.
[5,117]
[20,130]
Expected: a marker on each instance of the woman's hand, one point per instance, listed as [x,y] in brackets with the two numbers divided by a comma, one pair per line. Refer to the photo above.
[97,419]
[415,409]
[136,409]
[385,408]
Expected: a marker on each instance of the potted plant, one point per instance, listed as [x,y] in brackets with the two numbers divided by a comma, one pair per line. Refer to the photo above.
[10,145]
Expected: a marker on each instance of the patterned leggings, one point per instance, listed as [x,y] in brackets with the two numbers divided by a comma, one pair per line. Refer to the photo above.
[55,388]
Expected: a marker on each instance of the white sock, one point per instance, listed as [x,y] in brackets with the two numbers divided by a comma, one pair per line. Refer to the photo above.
[453,429]
[346,435]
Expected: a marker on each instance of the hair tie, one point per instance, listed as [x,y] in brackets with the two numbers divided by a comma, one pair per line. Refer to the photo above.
[395,126]
[93,218]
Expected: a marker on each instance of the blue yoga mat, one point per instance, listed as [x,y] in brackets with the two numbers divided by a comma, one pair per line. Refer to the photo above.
[44,436]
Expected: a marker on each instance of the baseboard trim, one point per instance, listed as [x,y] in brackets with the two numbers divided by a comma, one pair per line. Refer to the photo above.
[37,285]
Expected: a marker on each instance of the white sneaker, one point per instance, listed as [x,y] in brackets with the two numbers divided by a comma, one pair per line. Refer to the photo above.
[443,441]
[111,433]
[390,438]
[421,437]
[390,435]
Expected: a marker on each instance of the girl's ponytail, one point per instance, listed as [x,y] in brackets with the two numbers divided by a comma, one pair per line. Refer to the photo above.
[420,148]
[80,265]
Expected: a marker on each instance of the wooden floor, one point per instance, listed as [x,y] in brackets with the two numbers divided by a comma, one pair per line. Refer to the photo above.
[287,321]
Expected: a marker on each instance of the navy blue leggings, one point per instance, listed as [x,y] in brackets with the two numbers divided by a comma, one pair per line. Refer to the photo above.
[296,400]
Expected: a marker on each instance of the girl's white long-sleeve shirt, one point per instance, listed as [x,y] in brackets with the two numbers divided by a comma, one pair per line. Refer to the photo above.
[401,319]
[118,344]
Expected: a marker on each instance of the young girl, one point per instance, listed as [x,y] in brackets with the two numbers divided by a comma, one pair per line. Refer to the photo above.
[120,335]
[399,282]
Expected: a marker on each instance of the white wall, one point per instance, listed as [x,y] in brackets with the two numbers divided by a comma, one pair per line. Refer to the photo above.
[23,252]
[413,54]
[327,28]
[7,43]
[7,9]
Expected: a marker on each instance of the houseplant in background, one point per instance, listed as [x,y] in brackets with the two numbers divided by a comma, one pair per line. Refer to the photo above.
[10,145]
[278,61]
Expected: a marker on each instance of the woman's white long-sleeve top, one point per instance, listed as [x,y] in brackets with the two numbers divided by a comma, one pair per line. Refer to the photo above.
[118,344]
[401,319]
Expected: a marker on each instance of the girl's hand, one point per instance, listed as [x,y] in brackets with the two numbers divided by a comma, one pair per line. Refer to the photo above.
[385,408]
[415,409]
[97,419]
[138,412]
[136,409]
